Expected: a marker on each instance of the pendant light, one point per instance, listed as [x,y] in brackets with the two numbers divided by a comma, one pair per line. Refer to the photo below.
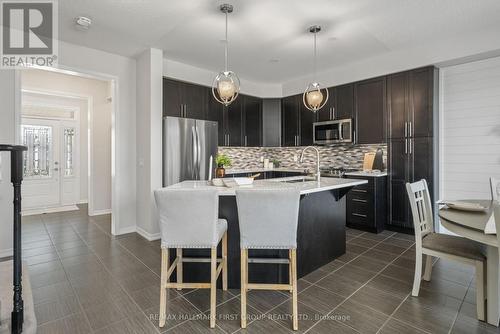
[315,97]
[226,85]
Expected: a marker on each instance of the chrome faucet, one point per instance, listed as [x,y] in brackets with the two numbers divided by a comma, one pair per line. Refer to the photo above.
[318,174]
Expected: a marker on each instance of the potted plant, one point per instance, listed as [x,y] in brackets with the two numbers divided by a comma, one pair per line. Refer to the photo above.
[222,161]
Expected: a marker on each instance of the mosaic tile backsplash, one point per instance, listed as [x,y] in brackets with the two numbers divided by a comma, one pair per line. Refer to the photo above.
[347,156]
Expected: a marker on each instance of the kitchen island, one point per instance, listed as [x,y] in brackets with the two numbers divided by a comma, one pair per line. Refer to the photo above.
[320,237]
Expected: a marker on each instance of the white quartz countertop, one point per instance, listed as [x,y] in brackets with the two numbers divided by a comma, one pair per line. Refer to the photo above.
[366,173]
[262,170]
[306,187]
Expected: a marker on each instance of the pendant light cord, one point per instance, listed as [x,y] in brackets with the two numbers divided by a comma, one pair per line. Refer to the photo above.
[315,59]
[225,48]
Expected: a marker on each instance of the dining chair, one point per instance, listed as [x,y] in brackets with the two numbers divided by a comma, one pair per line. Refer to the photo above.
[268,219]
[189,219]
[440,245]
[495,188]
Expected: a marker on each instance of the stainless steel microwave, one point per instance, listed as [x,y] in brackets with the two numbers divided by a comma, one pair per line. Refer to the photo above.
[333,132]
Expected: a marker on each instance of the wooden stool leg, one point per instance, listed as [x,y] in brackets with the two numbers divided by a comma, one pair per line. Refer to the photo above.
[295,310]
[224,262]
[163,289]
[290,269]
[213,286]
[480,285]
[179,267]
[244,281]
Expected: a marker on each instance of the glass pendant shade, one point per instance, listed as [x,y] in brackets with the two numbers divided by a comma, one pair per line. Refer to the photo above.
[314,97]
[226,87]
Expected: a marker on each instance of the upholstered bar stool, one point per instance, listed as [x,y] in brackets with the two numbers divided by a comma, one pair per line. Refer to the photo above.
[268,220]
[445,246]
[189,219]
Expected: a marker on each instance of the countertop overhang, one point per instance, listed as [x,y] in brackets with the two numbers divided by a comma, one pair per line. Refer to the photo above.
[306,187]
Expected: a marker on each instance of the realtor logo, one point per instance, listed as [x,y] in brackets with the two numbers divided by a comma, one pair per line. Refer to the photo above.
[29,33]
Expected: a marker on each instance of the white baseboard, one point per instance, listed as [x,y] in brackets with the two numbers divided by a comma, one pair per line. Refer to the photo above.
[65,208]
[100,212]
[127,230]
[6,252]
[148,236]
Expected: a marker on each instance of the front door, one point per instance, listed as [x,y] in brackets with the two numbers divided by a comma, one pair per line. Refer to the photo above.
[50,175]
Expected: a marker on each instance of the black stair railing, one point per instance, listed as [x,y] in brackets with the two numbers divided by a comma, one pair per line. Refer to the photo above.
[16,177]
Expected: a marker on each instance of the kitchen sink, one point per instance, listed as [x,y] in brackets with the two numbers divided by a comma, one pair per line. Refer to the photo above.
[299,179]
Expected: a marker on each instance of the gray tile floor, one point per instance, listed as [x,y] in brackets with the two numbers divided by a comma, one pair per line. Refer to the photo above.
[86,281]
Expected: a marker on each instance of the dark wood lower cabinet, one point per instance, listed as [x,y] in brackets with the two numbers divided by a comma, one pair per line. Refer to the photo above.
[410,160]
[367,204]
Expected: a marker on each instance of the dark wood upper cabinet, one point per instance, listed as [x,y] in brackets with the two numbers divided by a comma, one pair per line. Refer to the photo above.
[172,98]
[195,101]
[326,113]
[344,102]
[370,97]
[397,99]
[422,101]
[411,103]
[216,113]
[307,118]
[234,121]
[289,121]
[253,121]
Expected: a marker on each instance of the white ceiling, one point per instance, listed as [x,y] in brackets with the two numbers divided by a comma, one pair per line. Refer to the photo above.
[191,31]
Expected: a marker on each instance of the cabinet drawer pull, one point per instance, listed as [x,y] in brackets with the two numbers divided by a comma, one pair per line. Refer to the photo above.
[359,200]
[359,191]
[359,215]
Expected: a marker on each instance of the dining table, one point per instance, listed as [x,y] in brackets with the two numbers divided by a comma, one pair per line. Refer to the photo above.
[472,225]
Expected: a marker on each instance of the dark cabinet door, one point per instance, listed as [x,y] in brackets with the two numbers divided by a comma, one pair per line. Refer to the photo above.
[399,166]
[253,121]
[307,118]
[344,102]
[326,113]
[371,111]
[172,98]
[421,159]
[216,113]
[421,98]
[195,101]
[397,95]
[289,121]
[234,120]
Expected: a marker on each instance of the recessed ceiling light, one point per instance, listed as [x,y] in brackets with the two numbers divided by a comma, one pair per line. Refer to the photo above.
[332,38]
[83,22]
[274,60]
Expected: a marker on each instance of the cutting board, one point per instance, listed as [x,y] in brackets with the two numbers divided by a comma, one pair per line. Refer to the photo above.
[368,161]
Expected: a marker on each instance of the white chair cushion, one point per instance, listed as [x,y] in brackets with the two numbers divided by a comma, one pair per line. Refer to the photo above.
[453,245]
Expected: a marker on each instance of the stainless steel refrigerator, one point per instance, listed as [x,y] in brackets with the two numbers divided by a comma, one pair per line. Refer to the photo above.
[188,145]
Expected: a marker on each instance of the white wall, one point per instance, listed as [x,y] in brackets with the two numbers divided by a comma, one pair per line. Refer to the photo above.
[98,91]
[7,136]
[149,139]
[470,129]
[184,72]
[417,56]
[90,61]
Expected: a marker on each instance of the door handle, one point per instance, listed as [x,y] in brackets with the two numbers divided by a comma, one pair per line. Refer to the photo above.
[333,113]
[406,145]
[195,154]
[198,151]
[181,110]
[410,146]
[410,129]
[406,129]
[246,141]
